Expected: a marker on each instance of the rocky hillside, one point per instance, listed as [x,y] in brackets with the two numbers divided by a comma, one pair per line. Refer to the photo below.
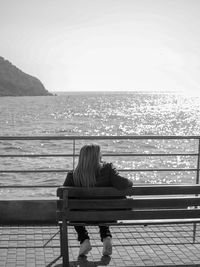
[14,82]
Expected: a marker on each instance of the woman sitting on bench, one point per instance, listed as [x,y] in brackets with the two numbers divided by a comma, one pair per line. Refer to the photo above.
[92,172]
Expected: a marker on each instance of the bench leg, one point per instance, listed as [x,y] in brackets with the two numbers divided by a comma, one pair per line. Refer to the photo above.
[61,244]
[64,246]
[194,232]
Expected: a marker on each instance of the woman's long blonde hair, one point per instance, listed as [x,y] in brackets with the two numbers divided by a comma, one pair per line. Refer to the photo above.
[88,166]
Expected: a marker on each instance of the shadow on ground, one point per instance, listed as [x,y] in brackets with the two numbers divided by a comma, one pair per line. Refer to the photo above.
[83,262]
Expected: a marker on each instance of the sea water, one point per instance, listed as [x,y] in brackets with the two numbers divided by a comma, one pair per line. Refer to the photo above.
[98,114]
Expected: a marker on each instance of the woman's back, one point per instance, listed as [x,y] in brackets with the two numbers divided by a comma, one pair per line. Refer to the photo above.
[107,176]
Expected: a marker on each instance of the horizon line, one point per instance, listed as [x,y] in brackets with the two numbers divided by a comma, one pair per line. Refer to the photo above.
[114,91]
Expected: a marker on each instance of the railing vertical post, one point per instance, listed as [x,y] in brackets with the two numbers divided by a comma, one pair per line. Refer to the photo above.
[198,162]
[74,146]
[197,182]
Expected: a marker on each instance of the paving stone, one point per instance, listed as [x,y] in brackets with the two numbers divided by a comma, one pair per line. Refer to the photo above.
[133,246]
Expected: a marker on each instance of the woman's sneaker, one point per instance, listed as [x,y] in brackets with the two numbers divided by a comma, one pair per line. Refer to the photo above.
[85,247]
[107,246]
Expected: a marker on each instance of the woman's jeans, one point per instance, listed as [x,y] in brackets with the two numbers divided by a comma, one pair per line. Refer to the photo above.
[83,234]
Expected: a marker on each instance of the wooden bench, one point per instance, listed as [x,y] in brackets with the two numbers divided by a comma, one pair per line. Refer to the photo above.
[155,204]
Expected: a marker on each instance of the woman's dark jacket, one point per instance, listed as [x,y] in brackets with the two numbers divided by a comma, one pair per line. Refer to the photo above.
[108,176]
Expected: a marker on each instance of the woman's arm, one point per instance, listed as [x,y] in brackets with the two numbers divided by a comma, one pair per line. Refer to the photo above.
[118,181]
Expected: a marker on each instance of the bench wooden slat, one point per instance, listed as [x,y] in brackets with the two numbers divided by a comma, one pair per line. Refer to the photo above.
[133,203]
[135,190]
[111,215]
[141,222]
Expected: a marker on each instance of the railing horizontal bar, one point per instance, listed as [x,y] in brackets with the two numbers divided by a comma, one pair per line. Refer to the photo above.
[150,154]
[29,171]
[35,155]
[105,155]
[150,170]
[98,137]
[121,170]
[29,186]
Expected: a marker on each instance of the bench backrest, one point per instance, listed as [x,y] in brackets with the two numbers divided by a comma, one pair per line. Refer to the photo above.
[143,203]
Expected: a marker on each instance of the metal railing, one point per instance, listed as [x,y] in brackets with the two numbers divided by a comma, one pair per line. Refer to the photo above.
[74,155]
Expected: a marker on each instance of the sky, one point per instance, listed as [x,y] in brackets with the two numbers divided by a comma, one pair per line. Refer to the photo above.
[108,45]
